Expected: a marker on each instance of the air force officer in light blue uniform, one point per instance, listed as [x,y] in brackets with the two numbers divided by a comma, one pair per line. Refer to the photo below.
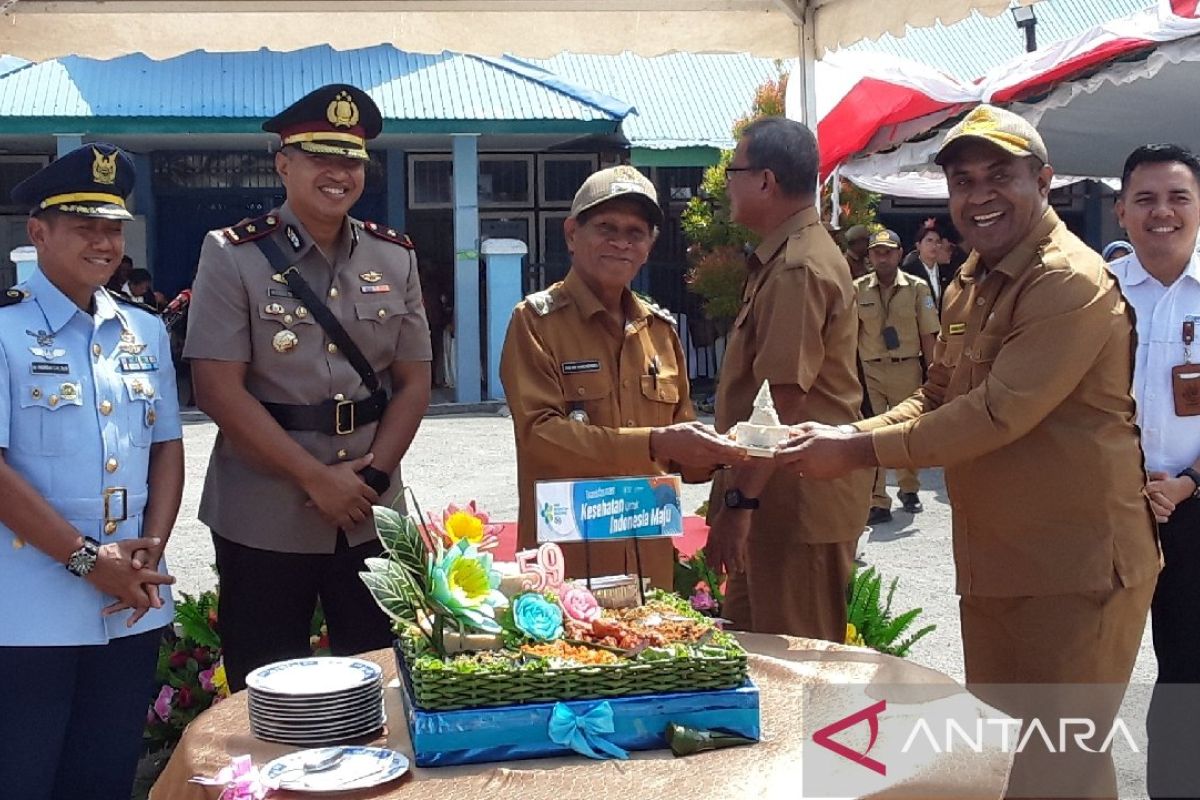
[91,474]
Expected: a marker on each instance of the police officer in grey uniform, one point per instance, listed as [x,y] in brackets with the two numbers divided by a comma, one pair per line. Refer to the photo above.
[310,350]
[91,475]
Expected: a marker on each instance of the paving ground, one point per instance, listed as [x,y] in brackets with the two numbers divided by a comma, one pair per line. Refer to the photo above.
[459,458]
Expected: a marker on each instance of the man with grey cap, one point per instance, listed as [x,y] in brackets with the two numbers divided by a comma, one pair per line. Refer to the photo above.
[1027,406]
[858,239]
[596,377]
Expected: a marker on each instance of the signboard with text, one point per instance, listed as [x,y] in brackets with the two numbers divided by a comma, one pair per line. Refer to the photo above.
[603,509]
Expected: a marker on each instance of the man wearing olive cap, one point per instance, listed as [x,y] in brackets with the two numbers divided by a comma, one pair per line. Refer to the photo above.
[1027,406]
[857,241]
[91,475]
[596,378]
[310,350]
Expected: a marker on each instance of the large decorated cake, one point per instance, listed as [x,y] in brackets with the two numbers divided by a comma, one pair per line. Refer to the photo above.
[511,660]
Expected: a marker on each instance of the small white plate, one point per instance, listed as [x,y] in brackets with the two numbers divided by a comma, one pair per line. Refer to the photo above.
[317,740]
[359,768]
[314,676]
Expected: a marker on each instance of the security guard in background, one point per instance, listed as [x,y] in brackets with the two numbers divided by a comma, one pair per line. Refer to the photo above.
[858,239]
[596,378]
[91,475]
[310,350]
[897,323]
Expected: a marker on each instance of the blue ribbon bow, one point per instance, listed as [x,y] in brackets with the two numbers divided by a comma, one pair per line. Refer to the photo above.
[584,733]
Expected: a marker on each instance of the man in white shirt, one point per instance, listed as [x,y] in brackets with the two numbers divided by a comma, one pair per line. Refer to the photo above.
[1159,207]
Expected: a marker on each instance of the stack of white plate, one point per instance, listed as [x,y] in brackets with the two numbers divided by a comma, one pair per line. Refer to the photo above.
[313,701]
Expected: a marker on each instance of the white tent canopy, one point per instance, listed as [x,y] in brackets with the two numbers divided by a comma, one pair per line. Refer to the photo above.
[41,29]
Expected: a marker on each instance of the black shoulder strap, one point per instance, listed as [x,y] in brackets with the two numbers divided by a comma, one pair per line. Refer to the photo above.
[324,317]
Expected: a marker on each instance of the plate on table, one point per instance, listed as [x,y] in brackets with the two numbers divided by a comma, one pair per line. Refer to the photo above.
[357,768]
[314,676]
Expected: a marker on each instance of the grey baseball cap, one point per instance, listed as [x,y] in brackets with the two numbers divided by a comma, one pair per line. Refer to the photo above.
[1010,132]
[620,181]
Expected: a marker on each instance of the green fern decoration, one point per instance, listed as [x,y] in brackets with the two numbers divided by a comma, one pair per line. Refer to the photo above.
[402,539]
[874,622]
[191,614]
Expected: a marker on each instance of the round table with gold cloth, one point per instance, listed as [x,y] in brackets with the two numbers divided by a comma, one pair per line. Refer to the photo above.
[830,680]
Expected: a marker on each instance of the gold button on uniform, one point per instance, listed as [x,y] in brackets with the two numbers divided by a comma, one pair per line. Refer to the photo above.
[333,292]
[580,390]
[52,400]
[287,318]
[110,465]
[382,313]
[342,454]
[110,528]
[332,347]
[96,350]
[301,312]
[105,408]
[36,394]
[339,397]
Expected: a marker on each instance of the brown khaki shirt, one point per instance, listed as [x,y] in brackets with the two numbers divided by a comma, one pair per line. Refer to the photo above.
[1027,405]
[798,326]
[236,311]
[906,306]
[564,353]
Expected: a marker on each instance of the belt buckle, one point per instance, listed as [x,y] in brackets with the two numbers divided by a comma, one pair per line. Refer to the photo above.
[108,496]
[338,427]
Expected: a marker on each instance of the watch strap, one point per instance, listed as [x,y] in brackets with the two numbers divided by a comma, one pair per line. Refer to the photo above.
[377,479]
[1188,472]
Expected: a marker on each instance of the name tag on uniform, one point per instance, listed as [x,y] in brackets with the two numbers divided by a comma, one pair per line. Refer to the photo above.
[40,368]
[378,288]
[274,292]
[576,367]
[138,363]
[956,329]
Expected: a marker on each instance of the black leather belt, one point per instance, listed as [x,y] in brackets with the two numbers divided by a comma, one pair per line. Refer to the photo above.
[889,358]
[332,417]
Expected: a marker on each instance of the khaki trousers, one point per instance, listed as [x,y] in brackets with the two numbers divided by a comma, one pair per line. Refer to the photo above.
[1073,654]
[799,590]
[888,384]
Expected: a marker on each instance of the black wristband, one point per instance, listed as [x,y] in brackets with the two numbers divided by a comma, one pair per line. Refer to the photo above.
[377,479]
[1194,476]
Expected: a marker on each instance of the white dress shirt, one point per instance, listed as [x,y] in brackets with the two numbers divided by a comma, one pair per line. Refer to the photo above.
[935,285]
[1170,442]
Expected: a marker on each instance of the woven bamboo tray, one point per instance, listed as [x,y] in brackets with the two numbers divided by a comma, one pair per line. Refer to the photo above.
[447,690]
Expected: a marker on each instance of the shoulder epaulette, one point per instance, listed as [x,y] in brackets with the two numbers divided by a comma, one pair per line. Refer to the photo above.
[126,300]
[661,313]
[389,234]
[544,302]
[13,296]
[252,229]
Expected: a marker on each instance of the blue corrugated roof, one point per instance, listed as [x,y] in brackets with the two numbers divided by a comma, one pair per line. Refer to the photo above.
[255,85]
[969,48]
[681,99]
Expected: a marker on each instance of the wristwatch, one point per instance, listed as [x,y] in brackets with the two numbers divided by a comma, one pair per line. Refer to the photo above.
[1188,472]
[377,479]
[735,499]
[83,560]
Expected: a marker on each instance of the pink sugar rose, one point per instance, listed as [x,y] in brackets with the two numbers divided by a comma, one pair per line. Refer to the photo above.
[162,704]
[579,603]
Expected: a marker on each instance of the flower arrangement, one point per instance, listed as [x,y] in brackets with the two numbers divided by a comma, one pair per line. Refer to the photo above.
[190,674]
[467,523]
[428,584]
[696,580]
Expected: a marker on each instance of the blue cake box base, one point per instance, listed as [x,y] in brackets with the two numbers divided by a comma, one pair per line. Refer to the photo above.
[510,733]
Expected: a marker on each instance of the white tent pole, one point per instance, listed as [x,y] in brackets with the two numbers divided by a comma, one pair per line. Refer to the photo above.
[803,14]
[835,197]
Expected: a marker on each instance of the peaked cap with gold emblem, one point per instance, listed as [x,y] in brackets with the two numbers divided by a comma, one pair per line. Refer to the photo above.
[90,181]
[338,120]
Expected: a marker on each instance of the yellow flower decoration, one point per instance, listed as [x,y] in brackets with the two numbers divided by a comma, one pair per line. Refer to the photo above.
[220,681]
[853,637]
[464,525]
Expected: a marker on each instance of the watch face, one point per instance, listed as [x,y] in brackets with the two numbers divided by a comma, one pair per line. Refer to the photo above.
[733,498]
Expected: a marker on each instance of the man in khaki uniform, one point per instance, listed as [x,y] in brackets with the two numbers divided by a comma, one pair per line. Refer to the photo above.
[313,423]
[596,378]
[858,238]
[897,324]
[1027,405]
[788,544]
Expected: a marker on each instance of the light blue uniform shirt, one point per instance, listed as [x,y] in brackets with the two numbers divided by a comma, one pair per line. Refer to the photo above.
[82,398]
[1171,442]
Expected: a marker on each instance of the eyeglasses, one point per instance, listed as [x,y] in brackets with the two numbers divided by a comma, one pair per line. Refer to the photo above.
[742,169]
